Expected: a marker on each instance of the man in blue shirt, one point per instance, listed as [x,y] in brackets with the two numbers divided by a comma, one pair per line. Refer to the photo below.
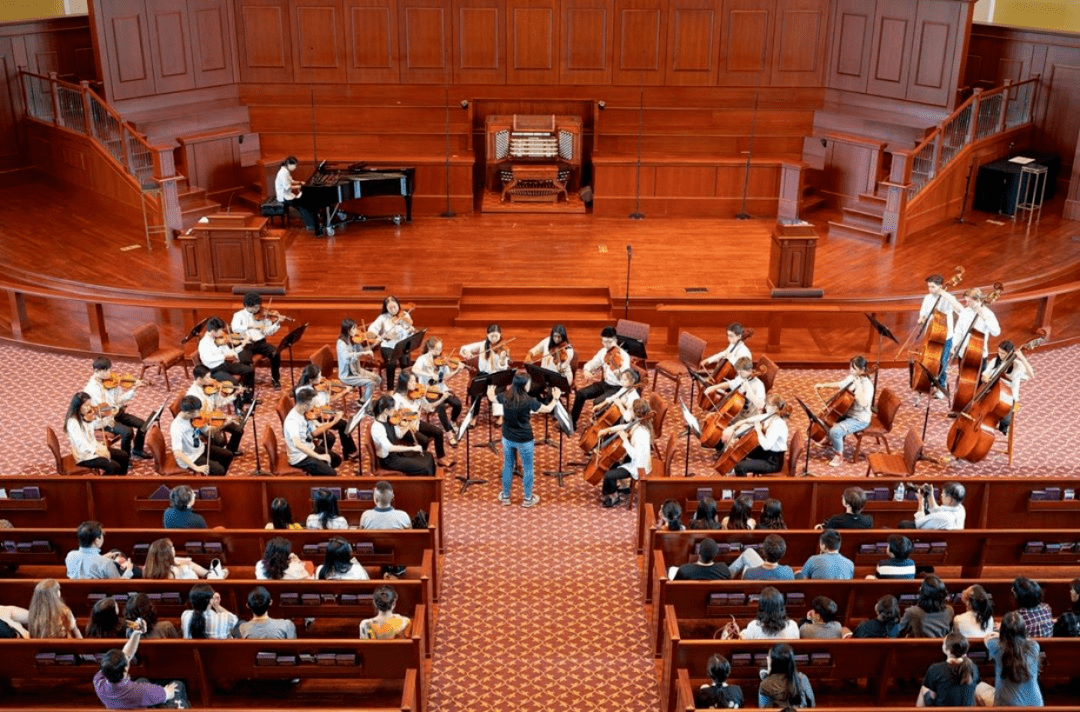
[87,562]
[830,563]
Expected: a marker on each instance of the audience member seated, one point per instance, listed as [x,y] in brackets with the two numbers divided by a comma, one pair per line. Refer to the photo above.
[48,615]
[782,685]
[281,515]
[978,620]
[717,693]
[384,516]
[854,500]
[262,626]
[739,515]
[1074,595]
[1038,618]
[930,617]
[163,563]
[772,622]
[706,568]
[765,566]
[279,563]
[340,564]
[830,563]
[206,618]
[951,683]
[105,620]
[670,517]
[87,562]
[15,619]
[772,515]
[1016,667]
[140,606]
[117,691]
[1067,625]
[705,516]
[900,566]
[821,621]
[325,514]
[386,624]
[950,514]
[887,622]
[179,514]
[10,629]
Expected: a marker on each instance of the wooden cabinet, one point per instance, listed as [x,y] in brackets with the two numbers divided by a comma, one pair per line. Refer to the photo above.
[230,250]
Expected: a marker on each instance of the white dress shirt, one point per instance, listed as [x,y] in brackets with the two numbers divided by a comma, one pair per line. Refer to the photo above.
[212,355]
[985,323]
[389,331]
[640,453]
[547,360]
[84,444]
[733,353]
[380,439]
[1011,379]
[753,389]
[245,323]
[486,363]
[942,305]
[283,185]
[774,435]
[611,376]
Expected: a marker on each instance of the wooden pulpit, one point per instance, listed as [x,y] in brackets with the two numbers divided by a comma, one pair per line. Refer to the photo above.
[791,260]
[227,250]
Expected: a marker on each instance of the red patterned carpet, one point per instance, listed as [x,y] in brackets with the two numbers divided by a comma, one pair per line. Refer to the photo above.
[541,608]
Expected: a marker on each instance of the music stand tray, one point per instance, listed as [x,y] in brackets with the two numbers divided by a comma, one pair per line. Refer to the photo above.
[195,331]
[634,347]
[692,423]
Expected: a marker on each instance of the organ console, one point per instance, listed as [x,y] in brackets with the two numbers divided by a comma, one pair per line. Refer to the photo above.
[533,158]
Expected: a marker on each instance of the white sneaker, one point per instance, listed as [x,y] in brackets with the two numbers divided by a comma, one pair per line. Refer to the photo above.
[836,461]
[504,500]
[532,502]
[939,395]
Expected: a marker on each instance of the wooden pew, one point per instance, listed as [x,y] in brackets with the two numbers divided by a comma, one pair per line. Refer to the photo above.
[203,664]
[700,614]
[971,550]
[991,502]
[881,662]
[345,603]
[242,502]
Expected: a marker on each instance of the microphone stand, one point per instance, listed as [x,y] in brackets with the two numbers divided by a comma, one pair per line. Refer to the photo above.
[255,435]
[637,214]
[742,214]
[629,256]
[449,212]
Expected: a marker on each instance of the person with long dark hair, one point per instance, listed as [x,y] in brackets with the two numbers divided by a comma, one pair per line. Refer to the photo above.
[887,622]
[80,424]
[782,685]
[281,515]
[517,433]
[951,683]
[671,516]
[392,326]
[555,353]
[434,370]
[206,618]
[738,518]
[324,514]
[772,622]
[349,357]
[1016,666]
[492,356]
[724,696]
[637,438]
[978,620]
[140,606]
[279,563]
[393,450]
[930,617]
[772,515]
[105,620]
[163,563]
[424,433]
[705,516]
[340,564]
[311,377]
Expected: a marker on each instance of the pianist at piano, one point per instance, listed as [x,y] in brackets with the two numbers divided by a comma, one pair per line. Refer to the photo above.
[289,194]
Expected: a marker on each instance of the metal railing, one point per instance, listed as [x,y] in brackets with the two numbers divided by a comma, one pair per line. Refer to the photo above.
[985,115]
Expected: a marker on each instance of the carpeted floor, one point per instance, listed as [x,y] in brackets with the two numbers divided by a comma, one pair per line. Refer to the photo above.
[542,607]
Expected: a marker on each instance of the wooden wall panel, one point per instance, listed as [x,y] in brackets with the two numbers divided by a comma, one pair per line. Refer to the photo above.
[130,66]
[890,60]
[640,42]
[532,42]
[12,93]
[933,75]
[371,42]
[318,41]
[480,41]
[746,52]
[265,43]
[802,27]
[425,37]
[852,37]
[694,30]
[1061,125]
[171,43]
[587,40]
[212,40]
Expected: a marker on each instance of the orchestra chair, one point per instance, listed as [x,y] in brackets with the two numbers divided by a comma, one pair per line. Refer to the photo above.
[164,461]
[660,408]
[374,468]
[669,456]
[691,351]
[65,464]
[771,369]
[326,360]
[881,423]
[174,407]
[897,464]
[796,448]
[1008,449]
[635,330]
[148,342]
[277,462]
[284,404]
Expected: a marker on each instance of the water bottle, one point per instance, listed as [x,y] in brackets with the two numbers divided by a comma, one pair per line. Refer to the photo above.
[898,495]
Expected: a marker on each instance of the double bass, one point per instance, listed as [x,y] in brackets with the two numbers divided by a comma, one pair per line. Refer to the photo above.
[935,332]
[724,371]
[972,434]
[971,360]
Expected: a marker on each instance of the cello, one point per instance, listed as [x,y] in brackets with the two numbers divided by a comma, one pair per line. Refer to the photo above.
[836,407]
[591,436]
[935,332]
[971,360]
[610,452]
[744,441]
[972,434]
[712,427]
[724,371]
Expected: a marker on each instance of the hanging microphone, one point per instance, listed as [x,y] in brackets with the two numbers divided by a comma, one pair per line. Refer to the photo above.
[629,252]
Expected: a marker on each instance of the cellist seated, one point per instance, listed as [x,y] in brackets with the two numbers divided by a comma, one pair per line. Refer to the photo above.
[745,382]
[637,443]
[772,437]
[857,416]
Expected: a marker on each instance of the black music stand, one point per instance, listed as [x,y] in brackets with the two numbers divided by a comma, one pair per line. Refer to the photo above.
[635,348]
[352,426]
[814,420]
[546,377]
[287,343]
[195,331]
[552,379]
[934,386]
[464,430]
[692,427]
[883,333]
[249,414]
[478,389]
[405,347]
[154,417]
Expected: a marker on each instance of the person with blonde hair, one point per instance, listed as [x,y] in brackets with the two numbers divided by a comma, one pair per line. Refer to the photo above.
[163,563]
[49,616]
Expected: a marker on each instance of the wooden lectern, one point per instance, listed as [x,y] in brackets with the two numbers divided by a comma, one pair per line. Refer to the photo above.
[233,249]
[791,261]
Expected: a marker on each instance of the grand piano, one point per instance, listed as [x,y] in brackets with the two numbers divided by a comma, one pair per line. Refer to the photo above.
[332,185]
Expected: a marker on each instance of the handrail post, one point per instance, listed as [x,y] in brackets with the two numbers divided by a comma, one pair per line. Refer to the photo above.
[973,122]
[896,195]
[1004,113]
[937,151]
[1031,98]
[124,147]
[55,95]
[88,120]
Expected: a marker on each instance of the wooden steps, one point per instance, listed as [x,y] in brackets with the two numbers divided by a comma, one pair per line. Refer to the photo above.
[862,220]
[193,203]
[532,307]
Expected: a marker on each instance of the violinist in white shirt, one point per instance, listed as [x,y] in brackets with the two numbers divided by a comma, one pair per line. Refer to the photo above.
[223,354]
[256,324]
[104,387]
[392,326]
[609,361]
[80,424]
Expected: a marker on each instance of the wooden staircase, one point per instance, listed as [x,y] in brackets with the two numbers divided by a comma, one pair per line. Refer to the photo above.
[811,199]
[535,307]
[193,202]
[862,221]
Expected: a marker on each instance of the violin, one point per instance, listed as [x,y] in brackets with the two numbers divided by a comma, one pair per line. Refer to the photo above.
[126,381]
[209,418]
[404,312]
[271,315]
[101,410]
[322,413]
[502,348]
[613,359]
[226,388]
[403,417]
[421,392]
[560,354]
[363,338]
[332,386]
[971,360]
[724,371]
[936,332]
[444,361]
[229,338]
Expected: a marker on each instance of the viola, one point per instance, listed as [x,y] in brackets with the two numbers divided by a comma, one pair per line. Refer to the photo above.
[364,339]
[971,360]
[444,361]
[271,315]
[229,339]
[209,418]
[935,332]
[333,386]
[322,413]
[127,381]
[613,359]
[101,410]
[560,354]
[403,417]
[502,349]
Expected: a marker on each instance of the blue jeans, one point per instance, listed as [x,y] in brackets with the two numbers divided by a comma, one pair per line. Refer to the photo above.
[526,451]
[943,369]
[843,428]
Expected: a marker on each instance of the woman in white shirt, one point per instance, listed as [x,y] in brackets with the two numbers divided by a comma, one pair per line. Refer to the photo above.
[978,620]
[637,442]
[491,356]
[163,563]
[772,622]
[771,429]
[80,425]
[433,370]
[279,563]
[326,514]
[340,564]
[858,415]
[555,354]
[392,326]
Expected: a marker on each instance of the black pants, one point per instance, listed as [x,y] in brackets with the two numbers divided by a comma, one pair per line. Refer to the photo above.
[232,443]
[593,391]
[220,459]
[306,215]
[410,463]
[391,367]
[759,462]
[348,445]
[612,478]
[263,348]
[129,428]
[239,373]
[320,468]
[428,433]
[453,404]
[117,464]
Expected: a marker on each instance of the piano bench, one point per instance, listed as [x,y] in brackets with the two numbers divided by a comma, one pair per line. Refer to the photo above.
[272,208]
